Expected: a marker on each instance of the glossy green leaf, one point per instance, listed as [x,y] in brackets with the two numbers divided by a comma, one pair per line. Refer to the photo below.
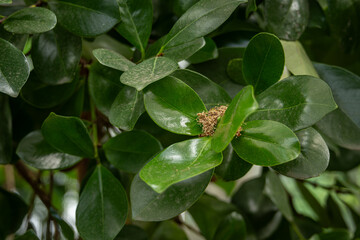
[86,18]
[5,130]
[175,111]
[263,61]
[112,59]
[127,108]
[136,22]
[297,101]
[296,59]
[132,232]
[234,70]
[29,235]
[56,56]
[240,108]
[277,193]
[169,230]
[42,95]
[287,18]
[313,159]
[68,135]
[231,227]
[232,166]
[36,152]
[208,213]
[148,205]
[206,53]
[102,203]
[14,69]
[147,72]
[106,79]
[179,162]
[13,211]
[30,21]
[201,19]
[209,92]
[131,157]
[266,143]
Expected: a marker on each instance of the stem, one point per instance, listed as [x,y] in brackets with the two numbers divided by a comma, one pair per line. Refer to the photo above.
[297,231]
[51,187]
[142,55]
[94,130]
[9,178]
[191,228]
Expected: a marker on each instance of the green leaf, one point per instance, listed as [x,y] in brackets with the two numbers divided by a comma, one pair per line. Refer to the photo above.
[56,55]
[179,162]
[67,232]
[206,53]
[277,193]
[287,19]
[102,203]
[36,152]
[68,135]
[136,22]
[201,19]
[232,166]
[86,18]
[208,213]
[263,61]
[12,61]
[266,143]
[127,108]
[313,159]
[106,79]
[332,234]
[112,59]
[240,108]
[29,235]
[13,211]
[5,130]
[181,6]
[251,7]
[30,21]
[173,105]
[209,92]
[131,157]
[231,227]
[296,59]
[169,230]
[344,211]
[148,205]
[132,232]
[297,101]
[5,1]
[147,72]
[234,70]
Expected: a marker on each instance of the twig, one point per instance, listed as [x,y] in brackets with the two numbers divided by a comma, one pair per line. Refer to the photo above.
[191,228]
[51,186]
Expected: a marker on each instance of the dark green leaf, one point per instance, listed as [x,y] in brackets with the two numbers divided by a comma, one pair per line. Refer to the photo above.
[18,40]
[14,69]
[169,230]
[107,80]
[231,227]
[209,92]
[332,234]
[13,210]
[297,101]
[5,1]
[56,55]
[173,105]
[147,72]
[201,19]
[343,212]
[148,205]
[313,158]
[86,18]
[29,235]
[263,61]
[181,6]
[136,22]
[112,59]
[206,53]
[251,7]
[232,166]
[132,232]
[36,152]
[127,108]
[266,143]
[234,70]
[208,213]
[179,162]
[131,157]
[103,203]
[276,192]
[240,108]
[343,159]
[287,18]
[68,135]
[5,130]
[30,21]
[66,231]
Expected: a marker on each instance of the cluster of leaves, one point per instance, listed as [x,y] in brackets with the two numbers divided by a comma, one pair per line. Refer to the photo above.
[84,93]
